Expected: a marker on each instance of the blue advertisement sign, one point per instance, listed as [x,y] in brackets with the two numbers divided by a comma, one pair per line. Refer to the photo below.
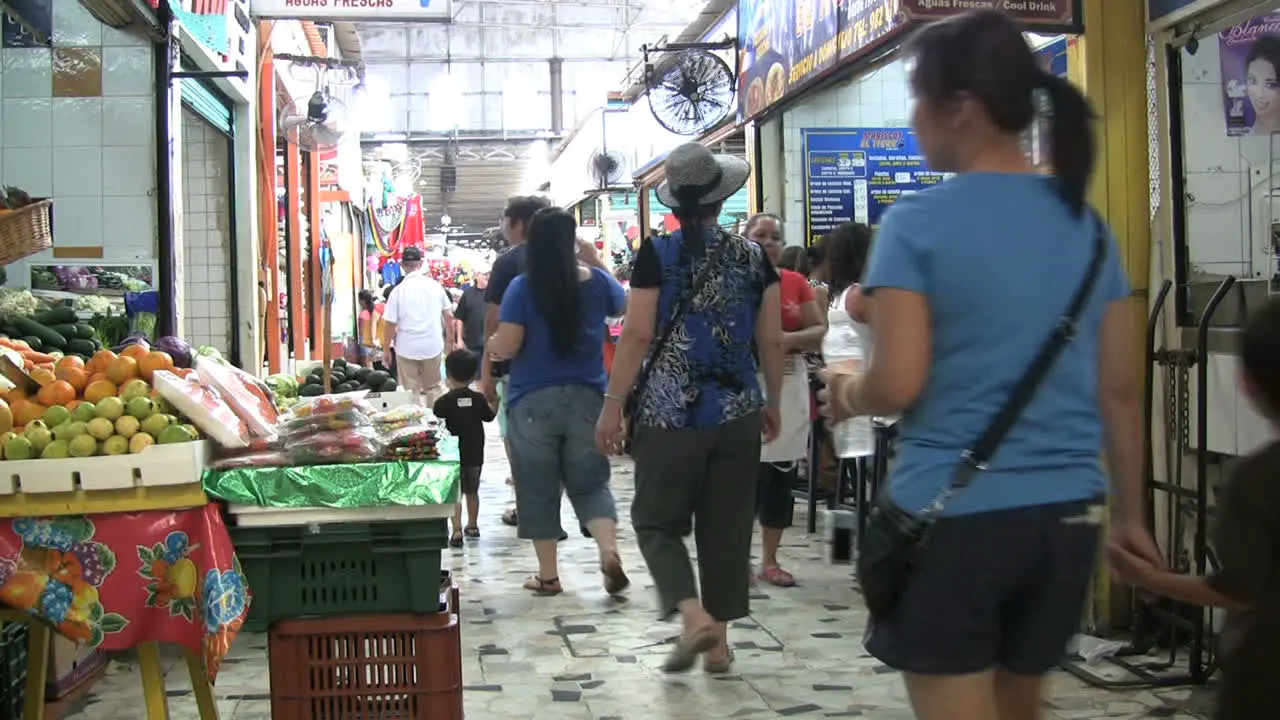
[1157,9]
[1053,57]
[856,174]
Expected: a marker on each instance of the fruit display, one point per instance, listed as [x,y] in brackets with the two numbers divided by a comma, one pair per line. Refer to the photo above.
[46,337]
[346,378]
[106,406]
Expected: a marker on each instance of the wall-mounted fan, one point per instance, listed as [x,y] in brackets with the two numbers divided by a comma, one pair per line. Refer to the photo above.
[690,93]
[607,168]
[320,122]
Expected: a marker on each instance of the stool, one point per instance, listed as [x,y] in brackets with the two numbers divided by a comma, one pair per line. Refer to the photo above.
[39,638]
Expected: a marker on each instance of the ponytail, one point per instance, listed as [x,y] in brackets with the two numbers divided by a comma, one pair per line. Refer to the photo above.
[1071,135]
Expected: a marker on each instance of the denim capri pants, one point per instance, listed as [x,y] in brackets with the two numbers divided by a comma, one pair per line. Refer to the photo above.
[552,436]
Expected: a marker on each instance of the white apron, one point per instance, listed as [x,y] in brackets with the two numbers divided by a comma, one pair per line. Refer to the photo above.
[792,443]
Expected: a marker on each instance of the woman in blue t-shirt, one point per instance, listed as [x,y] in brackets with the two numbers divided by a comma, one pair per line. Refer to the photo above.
[967,281]
[551,327]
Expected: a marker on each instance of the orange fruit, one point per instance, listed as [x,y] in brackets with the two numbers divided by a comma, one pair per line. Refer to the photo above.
[15,395]
[99,390]
[58,392]
[28,412]
[96,377]
[42,376]
[74,375]
[73,405]
[122,369]
[69,361]
[153,361]
[137,352]
[98,363]
[6,417]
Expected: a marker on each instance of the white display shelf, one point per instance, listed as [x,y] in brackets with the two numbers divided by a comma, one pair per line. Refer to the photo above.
[255,516]
[157,466]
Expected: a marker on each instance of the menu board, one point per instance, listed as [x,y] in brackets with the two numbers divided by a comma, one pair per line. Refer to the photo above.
[855,174]
[787,44]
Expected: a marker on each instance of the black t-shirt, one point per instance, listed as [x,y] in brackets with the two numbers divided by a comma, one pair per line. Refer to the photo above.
[471,310]
[508,267]
[465,412]
[1247,544]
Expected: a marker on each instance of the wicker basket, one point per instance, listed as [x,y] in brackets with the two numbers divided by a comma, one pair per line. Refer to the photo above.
[26,231]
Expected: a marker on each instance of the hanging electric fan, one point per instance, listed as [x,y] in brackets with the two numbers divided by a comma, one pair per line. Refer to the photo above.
[692,94]
[321,122]
[607,168]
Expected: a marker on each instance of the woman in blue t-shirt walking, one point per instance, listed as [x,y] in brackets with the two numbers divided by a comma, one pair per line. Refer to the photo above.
[551,327]
[967,282]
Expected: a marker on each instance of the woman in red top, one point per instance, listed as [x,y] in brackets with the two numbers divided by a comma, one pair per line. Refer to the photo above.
[803,326]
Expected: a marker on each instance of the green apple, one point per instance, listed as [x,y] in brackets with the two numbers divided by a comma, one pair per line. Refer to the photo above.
[18,448]
[140,442]
[110,408]
[84,412]
[56,450]
[101,428]
[83,446]
[175,434]
[155,425]
[128,426]
[56,415]
[115,445]
[140,407]
[38,433]
[135,388]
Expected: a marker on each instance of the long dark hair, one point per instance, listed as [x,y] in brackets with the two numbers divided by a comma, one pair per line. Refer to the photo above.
[551,269]
[845,251]
[982,54]
[693,221]
[366,300]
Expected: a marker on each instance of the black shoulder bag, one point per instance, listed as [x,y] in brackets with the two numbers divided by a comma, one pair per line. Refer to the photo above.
[895,541]
[677,316]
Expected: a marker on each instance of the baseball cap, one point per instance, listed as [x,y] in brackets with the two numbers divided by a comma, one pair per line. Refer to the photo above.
[411,254]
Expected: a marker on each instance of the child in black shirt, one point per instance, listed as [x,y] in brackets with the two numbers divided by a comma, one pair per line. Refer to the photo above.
[465,412]
[1247,543]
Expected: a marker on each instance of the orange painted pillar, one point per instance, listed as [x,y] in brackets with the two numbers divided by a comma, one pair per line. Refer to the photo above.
[297,292]
[268,208]
[315,276]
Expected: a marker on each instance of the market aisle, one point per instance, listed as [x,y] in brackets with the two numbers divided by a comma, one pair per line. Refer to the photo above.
[580,655]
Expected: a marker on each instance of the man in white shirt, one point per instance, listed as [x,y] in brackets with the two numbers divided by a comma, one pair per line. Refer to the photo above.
[418,322]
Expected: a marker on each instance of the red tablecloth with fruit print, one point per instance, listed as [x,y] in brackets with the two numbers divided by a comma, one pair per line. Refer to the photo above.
[116,580]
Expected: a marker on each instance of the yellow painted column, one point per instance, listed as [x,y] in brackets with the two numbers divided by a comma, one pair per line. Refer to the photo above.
[1110,64]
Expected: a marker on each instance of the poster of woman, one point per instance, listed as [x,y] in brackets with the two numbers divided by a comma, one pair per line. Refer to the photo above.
[1250,57]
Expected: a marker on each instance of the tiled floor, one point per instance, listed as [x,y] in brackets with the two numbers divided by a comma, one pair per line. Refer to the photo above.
[581,655]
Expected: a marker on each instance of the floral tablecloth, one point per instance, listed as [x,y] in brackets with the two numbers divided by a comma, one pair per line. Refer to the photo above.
[116,580]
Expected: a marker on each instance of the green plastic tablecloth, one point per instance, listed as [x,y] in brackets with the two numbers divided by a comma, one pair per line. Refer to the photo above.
[373,484]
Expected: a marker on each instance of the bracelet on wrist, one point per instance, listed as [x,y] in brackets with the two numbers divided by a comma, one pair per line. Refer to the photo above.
[615,398]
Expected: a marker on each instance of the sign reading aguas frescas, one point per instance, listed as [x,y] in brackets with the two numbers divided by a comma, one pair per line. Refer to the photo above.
[372,10]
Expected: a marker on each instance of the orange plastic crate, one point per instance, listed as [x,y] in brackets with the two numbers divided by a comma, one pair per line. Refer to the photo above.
[401,666]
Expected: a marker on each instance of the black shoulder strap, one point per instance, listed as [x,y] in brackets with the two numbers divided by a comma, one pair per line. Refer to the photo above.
[680,310]
[976,458]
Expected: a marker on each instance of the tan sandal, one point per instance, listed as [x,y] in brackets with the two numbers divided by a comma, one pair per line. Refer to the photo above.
[615,578]
[718,667]
[688,648]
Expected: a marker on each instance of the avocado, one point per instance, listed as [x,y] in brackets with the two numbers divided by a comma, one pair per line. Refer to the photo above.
[362,373]
[311,390]
[347,387]
[389,385]
[376,378]
[339,363]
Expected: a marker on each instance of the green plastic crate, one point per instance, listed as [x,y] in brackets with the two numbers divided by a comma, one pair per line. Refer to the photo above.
[13,670]
[343,569]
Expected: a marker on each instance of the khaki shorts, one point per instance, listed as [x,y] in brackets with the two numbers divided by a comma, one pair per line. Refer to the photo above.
[421,377]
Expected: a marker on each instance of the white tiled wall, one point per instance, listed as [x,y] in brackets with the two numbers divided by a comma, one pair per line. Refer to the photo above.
[879,98]
[77,124]
[206,243]
[1224,174]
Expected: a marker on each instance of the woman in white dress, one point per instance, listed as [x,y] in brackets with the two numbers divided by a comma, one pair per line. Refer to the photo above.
[844,259]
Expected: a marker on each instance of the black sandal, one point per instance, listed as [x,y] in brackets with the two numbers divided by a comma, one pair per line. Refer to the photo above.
[455,540]
[543,588]
[471,531]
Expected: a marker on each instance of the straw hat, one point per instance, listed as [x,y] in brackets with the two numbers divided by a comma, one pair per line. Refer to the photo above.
[697,177]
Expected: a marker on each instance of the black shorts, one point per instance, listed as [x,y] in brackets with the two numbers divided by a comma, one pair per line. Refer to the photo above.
[469,482]
[998,589]
[775,505]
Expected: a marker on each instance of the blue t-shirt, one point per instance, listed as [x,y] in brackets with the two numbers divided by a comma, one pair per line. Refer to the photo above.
[999,257]
[706,375]
[538,365]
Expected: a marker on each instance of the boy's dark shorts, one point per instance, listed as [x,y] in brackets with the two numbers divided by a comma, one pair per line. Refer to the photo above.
[997,589]
[470,482]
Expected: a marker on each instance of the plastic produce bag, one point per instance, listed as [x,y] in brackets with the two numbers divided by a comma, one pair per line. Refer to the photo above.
[290,427]
[405,414]
[331,404]
[336,446]
[247,399]
[204,406]
[259,459]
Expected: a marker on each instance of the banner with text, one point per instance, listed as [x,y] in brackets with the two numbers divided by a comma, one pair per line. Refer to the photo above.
[785,46]
[1249,54]
[372,10]
[855,174]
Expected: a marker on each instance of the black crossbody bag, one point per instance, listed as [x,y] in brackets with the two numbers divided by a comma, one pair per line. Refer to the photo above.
[677,316]
[895,541]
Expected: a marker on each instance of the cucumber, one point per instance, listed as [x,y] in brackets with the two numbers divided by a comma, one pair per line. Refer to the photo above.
[36,343]
[81,347]
[67,331]
[48,337]
[61,315]
[84,332]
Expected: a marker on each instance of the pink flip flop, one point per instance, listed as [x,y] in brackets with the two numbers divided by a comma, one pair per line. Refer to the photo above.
[778,577]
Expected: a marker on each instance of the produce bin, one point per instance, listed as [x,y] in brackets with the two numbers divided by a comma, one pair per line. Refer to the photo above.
[402,666]
[158,465]
[340,569]
[13,670]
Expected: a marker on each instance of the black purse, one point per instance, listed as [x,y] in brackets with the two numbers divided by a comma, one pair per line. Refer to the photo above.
[895,541]
[681,309]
